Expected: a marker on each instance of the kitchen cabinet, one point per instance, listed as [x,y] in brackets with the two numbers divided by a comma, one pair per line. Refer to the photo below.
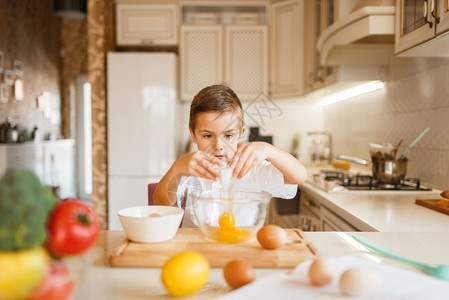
[233,55]
[422,28]
[286,46]
[331,222]
[309,213]
[314,215]
[318,15]
[146,24]
[52,161]
[29,156]
[201,58]
[59,166]
[246,60]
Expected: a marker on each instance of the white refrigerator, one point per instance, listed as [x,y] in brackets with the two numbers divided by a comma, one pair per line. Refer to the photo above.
[141,93]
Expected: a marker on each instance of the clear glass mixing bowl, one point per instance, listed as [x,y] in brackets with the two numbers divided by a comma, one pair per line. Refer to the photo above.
[230,217]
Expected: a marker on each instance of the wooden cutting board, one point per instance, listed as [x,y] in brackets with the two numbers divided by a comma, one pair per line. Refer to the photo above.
[131,254]
[441,205]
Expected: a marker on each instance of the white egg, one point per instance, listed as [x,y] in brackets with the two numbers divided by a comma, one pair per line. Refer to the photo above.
[321,271]
[359,282]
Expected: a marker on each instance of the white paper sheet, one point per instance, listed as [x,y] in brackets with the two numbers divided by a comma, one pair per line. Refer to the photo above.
[396,284]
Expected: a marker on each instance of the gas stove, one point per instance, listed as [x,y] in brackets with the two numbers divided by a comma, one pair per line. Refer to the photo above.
[341,181]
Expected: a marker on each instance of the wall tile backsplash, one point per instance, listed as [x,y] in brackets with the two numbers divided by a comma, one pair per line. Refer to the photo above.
[416,97]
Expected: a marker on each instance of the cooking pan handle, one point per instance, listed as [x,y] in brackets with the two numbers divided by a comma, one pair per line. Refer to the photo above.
[353,159]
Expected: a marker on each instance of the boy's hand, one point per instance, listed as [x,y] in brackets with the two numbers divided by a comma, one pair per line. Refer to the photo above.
[200,164]
[247,156]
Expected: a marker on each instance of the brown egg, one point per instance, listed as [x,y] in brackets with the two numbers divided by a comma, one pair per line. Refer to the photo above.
[321,271]
[237,273]
[271,237]
[359,282]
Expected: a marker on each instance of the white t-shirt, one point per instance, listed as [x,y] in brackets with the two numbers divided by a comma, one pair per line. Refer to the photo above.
[263,177]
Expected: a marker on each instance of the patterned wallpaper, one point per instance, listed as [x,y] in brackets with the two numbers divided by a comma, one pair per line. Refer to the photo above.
[100,40]
[73,63]
[26,36]
[53,53]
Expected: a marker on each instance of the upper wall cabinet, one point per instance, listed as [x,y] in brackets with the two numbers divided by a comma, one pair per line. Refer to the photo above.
[146,24]
[318,15]
[363,35]
[286,73]
[224,45]
[201,58]
[246,60]
[422,28]
[233,55]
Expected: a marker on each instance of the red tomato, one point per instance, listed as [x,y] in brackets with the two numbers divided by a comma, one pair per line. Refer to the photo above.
[57,285]
[73,228]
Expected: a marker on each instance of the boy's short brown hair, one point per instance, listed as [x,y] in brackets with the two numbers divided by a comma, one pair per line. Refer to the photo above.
[216,98]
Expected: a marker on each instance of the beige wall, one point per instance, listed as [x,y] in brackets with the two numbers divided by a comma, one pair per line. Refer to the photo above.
[416,96]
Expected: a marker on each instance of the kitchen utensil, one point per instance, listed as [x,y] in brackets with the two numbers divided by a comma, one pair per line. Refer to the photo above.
[384,170]
[439,271]
[414,142]
[385,167]
[12,135]
[248,208]
[395,150]
[150,224]
[390,170]
[440,205]
[131,254]
[353,159]
[384,150]
[321,149]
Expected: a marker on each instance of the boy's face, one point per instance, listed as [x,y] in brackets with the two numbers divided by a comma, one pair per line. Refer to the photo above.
[218,133]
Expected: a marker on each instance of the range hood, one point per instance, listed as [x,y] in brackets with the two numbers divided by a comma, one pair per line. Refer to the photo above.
[363,37]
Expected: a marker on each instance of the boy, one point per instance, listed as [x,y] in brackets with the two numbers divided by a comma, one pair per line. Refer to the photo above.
[216,125]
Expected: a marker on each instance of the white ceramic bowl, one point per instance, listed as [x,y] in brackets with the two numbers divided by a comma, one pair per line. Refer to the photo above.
[150,224]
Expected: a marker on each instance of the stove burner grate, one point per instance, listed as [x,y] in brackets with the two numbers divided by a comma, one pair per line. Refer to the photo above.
[367,182]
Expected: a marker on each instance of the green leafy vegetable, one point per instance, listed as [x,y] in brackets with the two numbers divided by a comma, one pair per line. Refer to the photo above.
[24,206]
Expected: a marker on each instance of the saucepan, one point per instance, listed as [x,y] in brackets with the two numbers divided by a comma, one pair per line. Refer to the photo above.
[385,167]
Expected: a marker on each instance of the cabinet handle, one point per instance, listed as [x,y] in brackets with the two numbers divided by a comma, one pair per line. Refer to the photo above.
[311,203]
[310,80]
[425,13]
[148,42]
[320,74]
[432,11]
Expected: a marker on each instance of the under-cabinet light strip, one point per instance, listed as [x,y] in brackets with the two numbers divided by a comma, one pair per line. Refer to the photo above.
[353,92]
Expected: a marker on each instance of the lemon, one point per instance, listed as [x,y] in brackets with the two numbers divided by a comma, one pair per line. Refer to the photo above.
[21,271]
[185,273]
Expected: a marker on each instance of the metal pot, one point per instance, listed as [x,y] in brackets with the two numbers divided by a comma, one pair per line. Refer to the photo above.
[386,170]
[390,170]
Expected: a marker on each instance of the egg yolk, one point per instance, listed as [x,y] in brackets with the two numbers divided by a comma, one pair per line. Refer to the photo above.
[227,232]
